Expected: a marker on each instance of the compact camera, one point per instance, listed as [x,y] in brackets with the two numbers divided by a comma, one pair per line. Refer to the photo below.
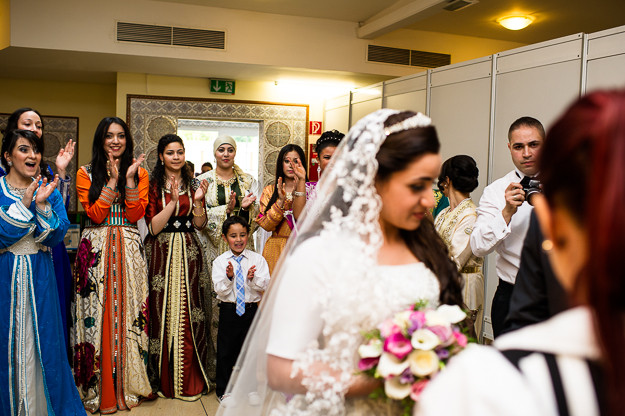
[531,187]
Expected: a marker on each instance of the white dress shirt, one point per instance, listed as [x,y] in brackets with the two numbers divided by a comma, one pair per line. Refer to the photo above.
[491,232]
[225,288]
[483,382]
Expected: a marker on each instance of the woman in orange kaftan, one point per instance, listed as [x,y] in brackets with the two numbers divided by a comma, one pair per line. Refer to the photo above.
[110,333]
[276,202]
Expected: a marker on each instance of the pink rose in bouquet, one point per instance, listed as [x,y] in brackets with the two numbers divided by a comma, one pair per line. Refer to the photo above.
[410,348]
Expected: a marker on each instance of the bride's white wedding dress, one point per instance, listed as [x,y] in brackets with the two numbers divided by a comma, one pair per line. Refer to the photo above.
[316,307]
[328,289]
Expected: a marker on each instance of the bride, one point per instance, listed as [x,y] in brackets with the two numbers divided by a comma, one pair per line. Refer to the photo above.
[374,253]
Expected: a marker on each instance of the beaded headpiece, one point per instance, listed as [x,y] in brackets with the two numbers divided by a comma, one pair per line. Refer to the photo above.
[334,136]
[418,120]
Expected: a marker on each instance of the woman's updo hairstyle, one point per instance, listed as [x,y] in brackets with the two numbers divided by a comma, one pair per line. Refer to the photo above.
[462,171]
[328,138]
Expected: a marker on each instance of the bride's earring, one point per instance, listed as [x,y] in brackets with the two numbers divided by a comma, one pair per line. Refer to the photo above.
[547,245]
[318,171]
[9,163]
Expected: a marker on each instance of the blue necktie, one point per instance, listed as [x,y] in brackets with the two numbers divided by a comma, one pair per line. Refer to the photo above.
[239,288]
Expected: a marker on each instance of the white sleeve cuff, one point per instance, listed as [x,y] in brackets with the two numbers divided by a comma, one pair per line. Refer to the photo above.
[20,212]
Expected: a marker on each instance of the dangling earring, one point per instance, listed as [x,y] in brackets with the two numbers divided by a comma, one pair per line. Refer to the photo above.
[547,245]
[318,171]
[9,163]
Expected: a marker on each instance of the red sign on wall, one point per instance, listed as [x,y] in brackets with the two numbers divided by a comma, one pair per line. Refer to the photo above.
[313,176]
[314,127]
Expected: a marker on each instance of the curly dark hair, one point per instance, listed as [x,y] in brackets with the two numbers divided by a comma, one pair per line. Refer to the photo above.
[328,138]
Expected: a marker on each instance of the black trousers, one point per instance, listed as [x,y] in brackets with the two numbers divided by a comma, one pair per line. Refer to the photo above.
[500,306]
[231,333]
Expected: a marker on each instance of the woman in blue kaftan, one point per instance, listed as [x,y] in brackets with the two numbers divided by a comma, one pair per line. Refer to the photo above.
[29,119]
[35,377]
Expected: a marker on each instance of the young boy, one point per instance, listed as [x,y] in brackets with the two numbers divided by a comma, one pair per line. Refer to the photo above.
[239,278]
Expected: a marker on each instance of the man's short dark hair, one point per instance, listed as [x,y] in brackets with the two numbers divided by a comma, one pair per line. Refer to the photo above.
[527,121]
[208,164]
[234,219]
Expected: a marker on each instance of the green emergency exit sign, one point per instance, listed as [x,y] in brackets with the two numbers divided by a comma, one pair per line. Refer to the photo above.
[222,86]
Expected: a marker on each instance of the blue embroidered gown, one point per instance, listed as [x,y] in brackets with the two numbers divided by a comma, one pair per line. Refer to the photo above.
[60,259]
[35,377]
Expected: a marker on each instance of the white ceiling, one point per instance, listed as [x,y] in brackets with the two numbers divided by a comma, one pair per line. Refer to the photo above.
[554,18]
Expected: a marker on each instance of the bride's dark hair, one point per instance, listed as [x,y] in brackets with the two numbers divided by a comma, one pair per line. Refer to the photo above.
[396,153]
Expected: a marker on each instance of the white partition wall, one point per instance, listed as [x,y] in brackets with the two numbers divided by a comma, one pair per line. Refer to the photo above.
[336,115]
[473,103]
[460,98]
[605,57]
[539,81]
[406,93]
[365,101]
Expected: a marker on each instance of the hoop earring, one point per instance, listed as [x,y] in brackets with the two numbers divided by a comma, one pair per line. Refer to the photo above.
[547,245]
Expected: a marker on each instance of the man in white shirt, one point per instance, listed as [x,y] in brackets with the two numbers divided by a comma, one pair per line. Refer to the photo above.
[503,214]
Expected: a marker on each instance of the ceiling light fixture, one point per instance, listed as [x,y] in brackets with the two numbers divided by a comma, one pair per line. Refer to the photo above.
[515,22]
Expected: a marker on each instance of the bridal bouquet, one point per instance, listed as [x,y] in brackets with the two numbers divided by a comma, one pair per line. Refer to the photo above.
[409,349]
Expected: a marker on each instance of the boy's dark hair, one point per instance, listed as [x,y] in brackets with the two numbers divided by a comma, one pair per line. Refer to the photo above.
[234,219]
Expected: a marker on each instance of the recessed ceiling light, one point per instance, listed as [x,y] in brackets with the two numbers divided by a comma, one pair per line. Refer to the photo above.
[515,22]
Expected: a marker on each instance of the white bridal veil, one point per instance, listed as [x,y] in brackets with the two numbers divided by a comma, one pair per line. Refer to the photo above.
[332,258]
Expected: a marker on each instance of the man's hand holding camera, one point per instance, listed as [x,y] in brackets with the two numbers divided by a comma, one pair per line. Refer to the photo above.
[517,193]
[515,196]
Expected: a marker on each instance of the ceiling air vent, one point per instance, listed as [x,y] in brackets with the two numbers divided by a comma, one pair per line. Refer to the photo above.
[388,55]
[406,57]
[455,5]
[169,35]
[199,38]
[135,32]
[429,59]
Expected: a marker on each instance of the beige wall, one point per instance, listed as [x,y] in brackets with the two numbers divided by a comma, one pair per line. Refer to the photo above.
[312,92]
[89,102]
[5,23]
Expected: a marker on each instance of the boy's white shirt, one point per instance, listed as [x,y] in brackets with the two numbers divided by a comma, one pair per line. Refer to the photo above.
[254,288]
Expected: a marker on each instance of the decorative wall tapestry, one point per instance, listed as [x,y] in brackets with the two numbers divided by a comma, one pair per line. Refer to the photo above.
[57,132]
[152,117]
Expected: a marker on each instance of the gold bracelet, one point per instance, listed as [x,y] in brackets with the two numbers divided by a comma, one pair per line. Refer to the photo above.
[193,210]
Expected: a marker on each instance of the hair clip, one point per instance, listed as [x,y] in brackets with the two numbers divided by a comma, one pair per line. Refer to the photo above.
[418,120]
